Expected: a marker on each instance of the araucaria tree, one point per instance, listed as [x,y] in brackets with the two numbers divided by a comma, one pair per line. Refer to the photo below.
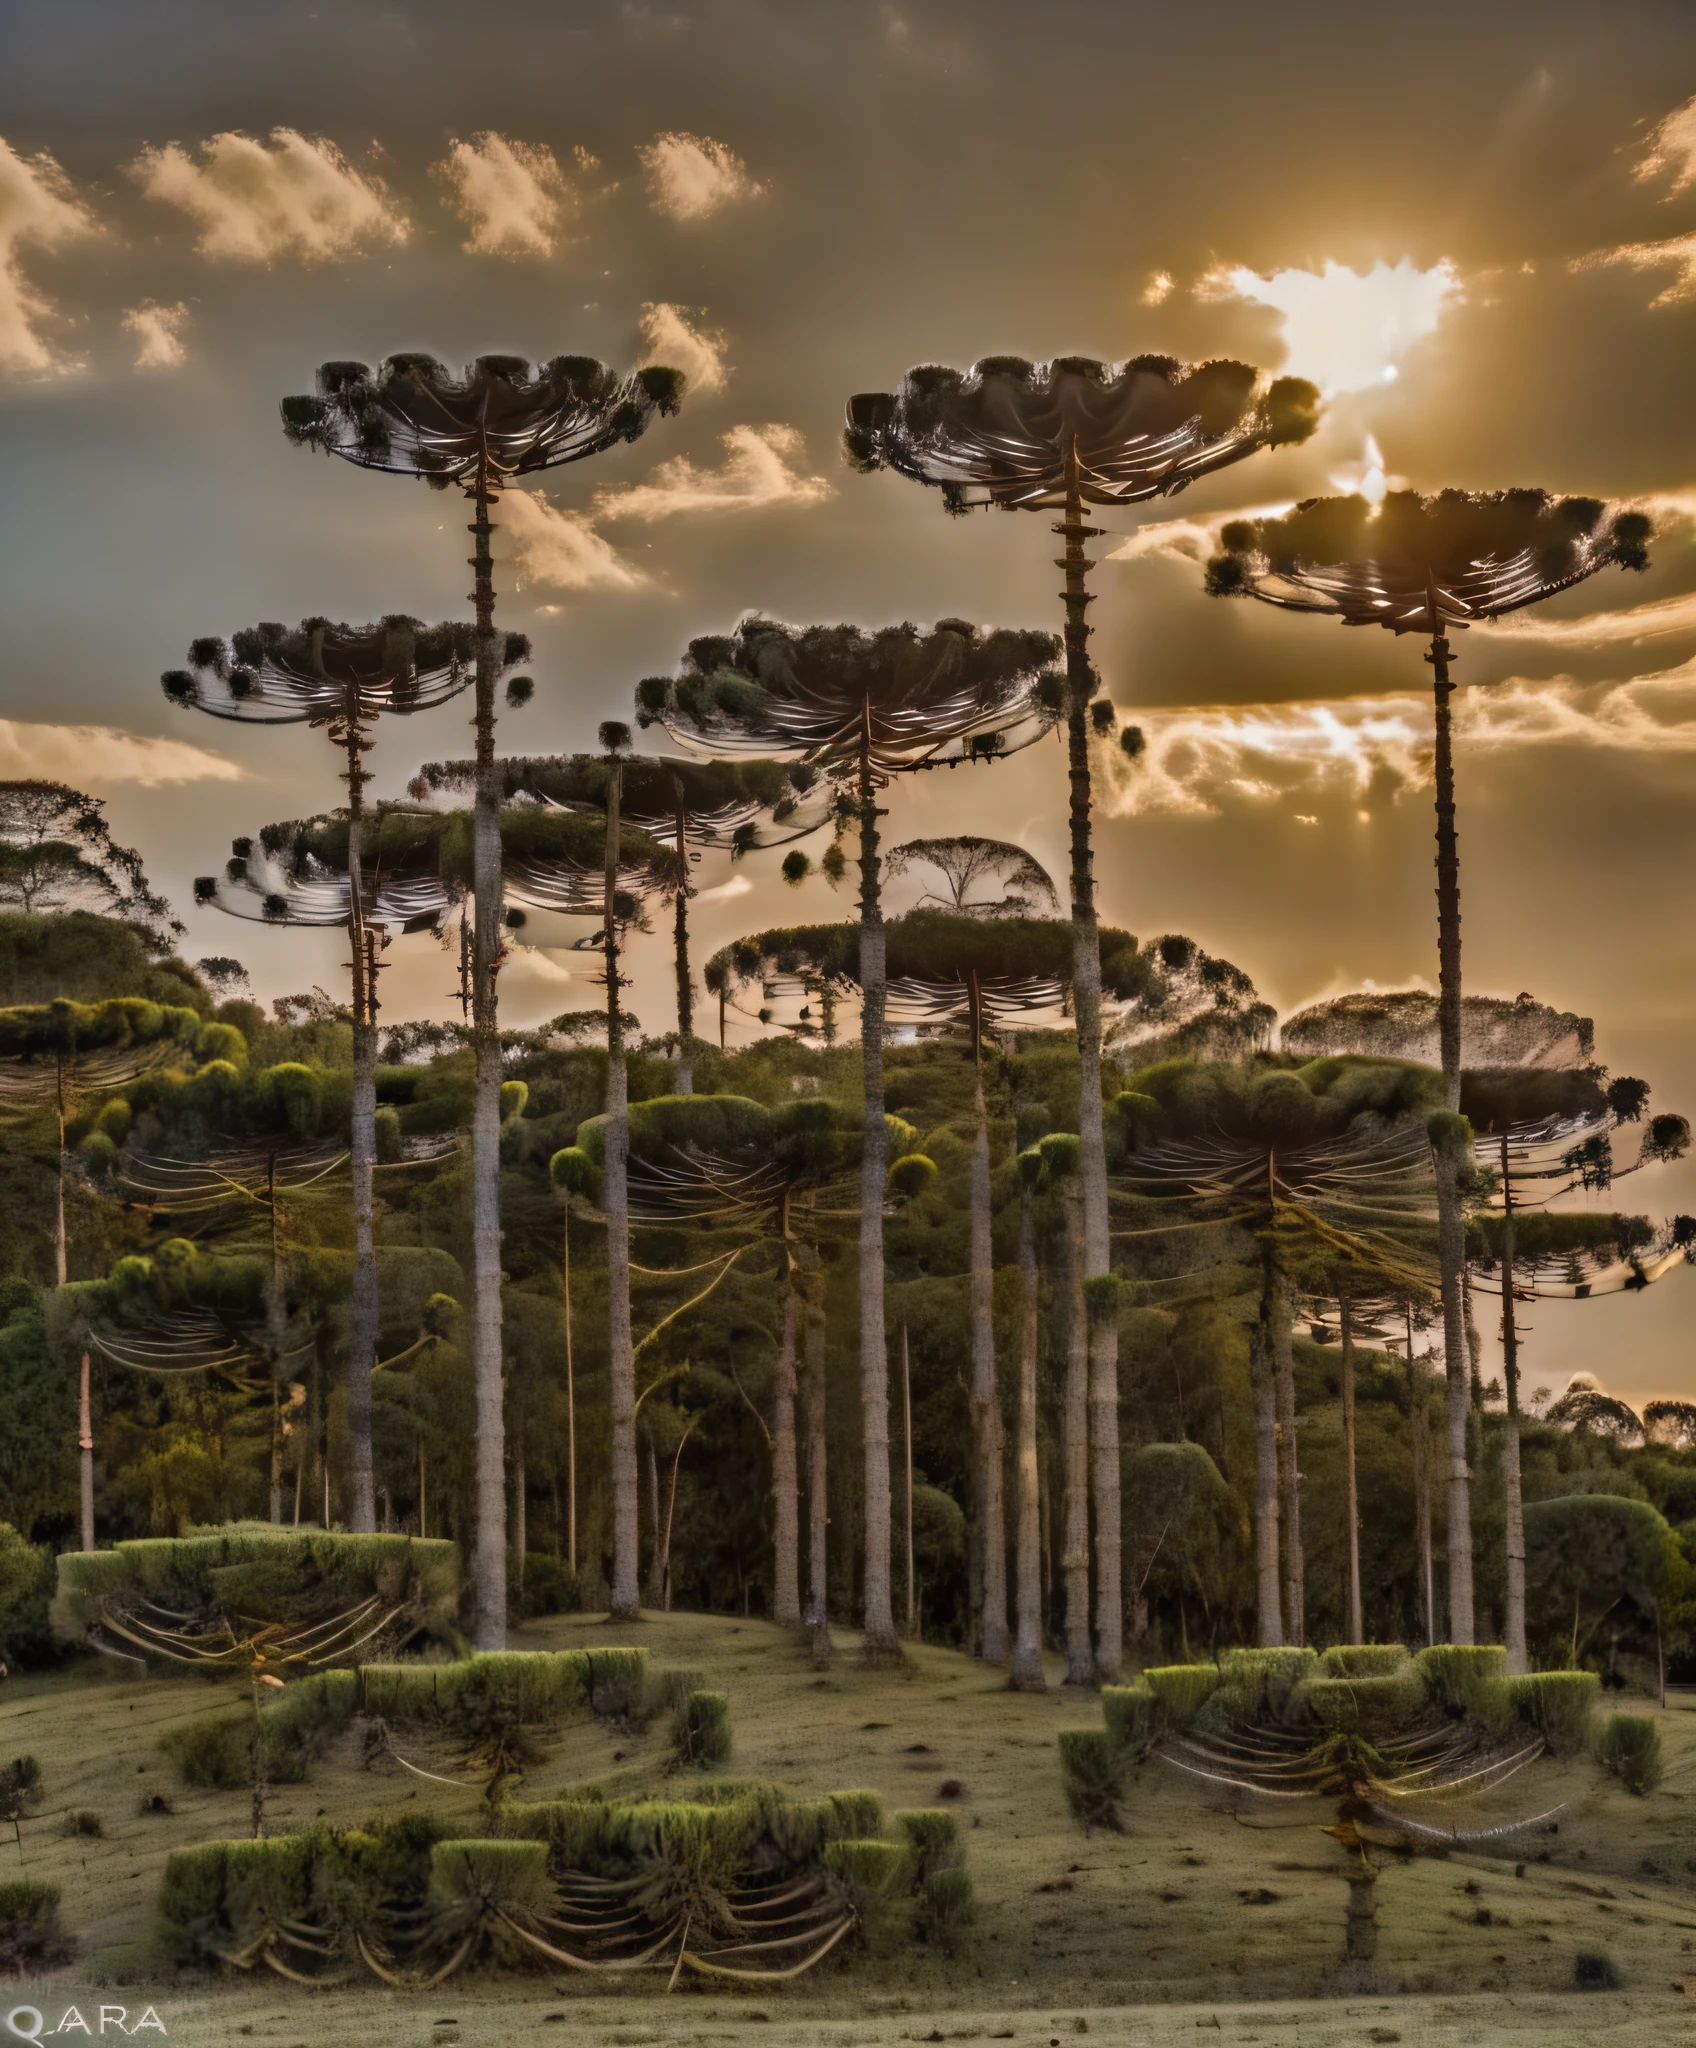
[57,853]
[502,420]
[343,678]
[1056,437]
[1426,566]
[860,708]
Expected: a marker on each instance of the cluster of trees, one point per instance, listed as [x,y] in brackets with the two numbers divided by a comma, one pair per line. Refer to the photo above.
[1006,1302]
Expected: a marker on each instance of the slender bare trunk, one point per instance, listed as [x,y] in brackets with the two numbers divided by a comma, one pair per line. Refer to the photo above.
[423,1493]
[785,1483]
[1289,1473]
[683,1081]
[664,1563]
[1514,1633]
[570,1409]
[85,1449]
[488,1548]
[656,1585]
[616,1202]
[276,1336]
[1419,1436]
[1027,1672]
[362,1312]
[61,1249]
[1351,1498]
[1451,1223]
[818,1494]
[1263,1366]
[1103,1318]
[986,1390]
[1074,1563]
[907,1459]
[880,1638]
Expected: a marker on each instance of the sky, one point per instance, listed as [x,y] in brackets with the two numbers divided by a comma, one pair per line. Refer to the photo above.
[1479,239]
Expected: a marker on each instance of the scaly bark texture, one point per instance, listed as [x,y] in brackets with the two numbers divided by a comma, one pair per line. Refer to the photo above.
[1451,1221]
[1104,1480]
[276,1334]
[683,1074]
[818,1495]
[570,1403]
[987,1434]
[488,1546]
[1514,1633]
[1103,1366]
[85,1457]
[1027,1673]
[785,1487]
[626,1565]
[362,1308]
[1289,1472]
[1074,1561]
[1419,1431]
[880,1640]
[1264,1370]
[1351,1498]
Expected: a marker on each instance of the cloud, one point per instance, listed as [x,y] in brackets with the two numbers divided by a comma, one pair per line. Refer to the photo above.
[256,201]
[1677,253]
[1346,329]
[725,892]
[696,352]
[1671,148]
[39,210]
[1194,541]
[755,474]
[690,176]
[1158,288]
[94,755]
[1603,629]
[512,195]
[562,549]
[158,332]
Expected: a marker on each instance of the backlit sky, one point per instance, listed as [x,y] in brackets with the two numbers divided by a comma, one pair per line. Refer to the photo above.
[1476,228]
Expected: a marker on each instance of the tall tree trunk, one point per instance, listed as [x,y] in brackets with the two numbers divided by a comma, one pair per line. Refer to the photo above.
[907,1464]
[1080,1663]
[1351,1498]
[570,1408]
[1103,1365]
[1419,1437]
[986,1390]
[1451,1160]
[785,1485]
[61,1250]
[1027,1672]
[1514,1633]
[626,1569]
[880,1638]
[1289,1472]
[423,1493]
[276,1337]
[683,1076]
[1103,1320]
[656,1568]
[520,1519]
[1262,1362]
[818,1494]
[488,1547]
[362,1312]
[85,1454]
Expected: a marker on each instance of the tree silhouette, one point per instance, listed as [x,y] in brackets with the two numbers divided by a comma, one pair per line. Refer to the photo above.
[860,708]
[1426,565]
[1549,1133]
[501,420]
[1321,1165]
[57,853]
[343,678]
[1055,437]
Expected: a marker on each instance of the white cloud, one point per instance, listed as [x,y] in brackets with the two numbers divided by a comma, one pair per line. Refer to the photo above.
[1347,330]
[512,195]
[256,201]
[671,340]
[39,210]
[726,892]
[562,549]
[158,332]
[756,473]
[690,176]
[1158,288]
[94,755]
[1677,253]
[1185,540]
[1603,629]
[1671,148]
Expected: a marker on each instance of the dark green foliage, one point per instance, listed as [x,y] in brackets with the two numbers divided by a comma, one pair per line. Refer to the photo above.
[1267,1679]
[26,1585]
[1093,1773]
[933,1838]
[1558,1705]
[215,1750]
[1464,1680]
[1629,1745]
[29,1927]
[490,1874]
[1181,1691]
[945,1908]
[296,1723]
[1132,1714]
[20,1787]
[1374,1708]
[1362,1660]
[1596,1569]
[701,1729]
[85,959]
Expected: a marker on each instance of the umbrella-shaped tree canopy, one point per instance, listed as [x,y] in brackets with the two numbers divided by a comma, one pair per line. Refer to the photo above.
[978,877]
[1421,565]
[1000,432]
[501,419]
[320,670]
[903,697]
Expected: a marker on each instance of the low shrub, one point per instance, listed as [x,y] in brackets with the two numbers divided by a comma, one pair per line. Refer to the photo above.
[214,1750]
[295,1723]
[945,1909]
[701,1729]
[26,1591]
[667,1690]
[1371,1707]
[1267,1678]
[1228,1710]
[29,1927]
[1363,1660]
[1181,1690]
[616,1682]
[874,1879]
[933,1840]
[1593,1971]
[1629,1745]
[855,1816]
[490,1873]
[1558,1705]
[1465,1681]
[550,1587]
[1093,1772]
[1130,1713]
